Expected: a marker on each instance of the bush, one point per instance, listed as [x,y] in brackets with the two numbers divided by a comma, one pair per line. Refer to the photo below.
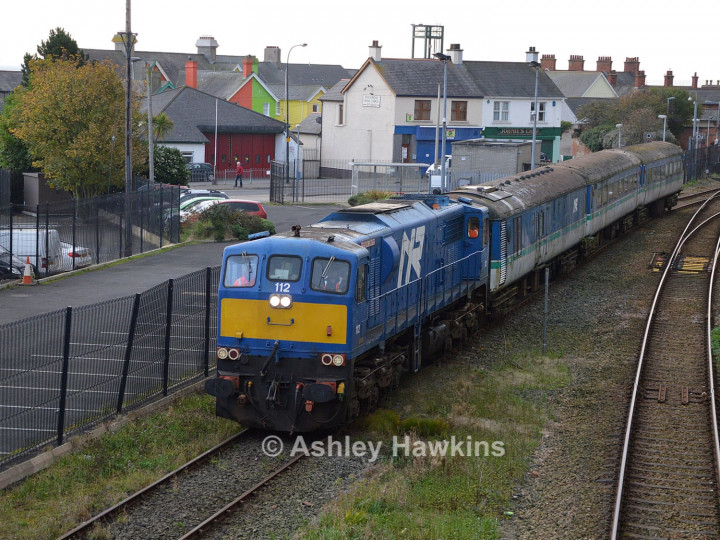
[221,222]
[368,197]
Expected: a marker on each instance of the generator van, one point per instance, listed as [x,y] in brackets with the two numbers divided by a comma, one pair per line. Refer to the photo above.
[41,245]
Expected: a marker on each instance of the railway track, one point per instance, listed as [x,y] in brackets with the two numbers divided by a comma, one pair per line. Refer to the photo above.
[693,199]
[668,481]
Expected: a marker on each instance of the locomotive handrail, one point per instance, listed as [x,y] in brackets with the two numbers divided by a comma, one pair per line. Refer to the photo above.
[631,414]
[292,321]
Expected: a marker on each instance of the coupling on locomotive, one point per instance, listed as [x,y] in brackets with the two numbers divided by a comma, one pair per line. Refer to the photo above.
[316,323]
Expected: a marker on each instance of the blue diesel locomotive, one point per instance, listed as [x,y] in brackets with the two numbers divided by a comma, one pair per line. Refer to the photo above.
[314,324]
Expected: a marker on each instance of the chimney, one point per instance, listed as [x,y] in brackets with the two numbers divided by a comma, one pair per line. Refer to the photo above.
[604,64]
[191,69]
[639,79]
[632,65]
[694,81]
[531,55]
[207,46]
[272,55]
[375,51]
[247,65]
[576,63]
[669,78]
[118,40]
[455,54]
[612,77]
[548,62]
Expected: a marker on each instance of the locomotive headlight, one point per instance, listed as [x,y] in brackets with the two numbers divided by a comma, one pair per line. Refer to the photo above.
[280,301]
[326,359]
[338,360]
[222,353]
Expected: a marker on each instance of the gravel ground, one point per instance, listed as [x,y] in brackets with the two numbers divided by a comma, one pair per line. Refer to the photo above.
[597,319]
[290,500]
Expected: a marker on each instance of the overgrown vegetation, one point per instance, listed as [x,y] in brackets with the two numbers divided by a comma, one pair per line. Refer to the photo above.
[110,468]
[220,222]
[368,197]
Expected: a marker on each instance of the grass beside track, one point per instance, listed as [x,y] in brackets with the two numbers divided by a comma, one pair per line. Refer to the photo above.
[108,469]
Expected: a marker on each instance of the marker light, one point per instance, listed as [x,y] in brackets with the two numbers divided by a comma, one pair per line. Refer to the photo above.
[222,353]
[338,360]
[326,359]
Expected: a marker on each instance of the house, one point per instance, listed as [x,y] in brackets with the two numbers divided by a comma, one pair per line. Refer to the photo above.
[242,79]
[390,110]
[242,134]
[9,80]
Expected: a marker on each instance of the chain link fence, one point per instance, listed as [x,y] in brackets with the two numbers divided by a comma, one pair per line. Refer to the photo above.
[701,162]
[66,371]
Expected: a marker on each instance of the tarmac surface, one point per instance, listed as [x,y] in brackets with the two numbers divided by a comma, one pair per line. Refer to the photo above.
[128,277]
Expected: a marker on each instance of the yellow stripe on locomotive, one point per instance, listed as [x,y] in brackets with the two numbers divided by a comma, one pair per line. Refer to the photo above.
[304,322]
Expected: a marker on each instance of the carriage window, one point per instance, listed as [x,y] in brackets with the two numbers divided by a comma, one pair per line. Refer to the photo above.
[473,227]
[241,270]
[330,275]
[361,281]
[284,268]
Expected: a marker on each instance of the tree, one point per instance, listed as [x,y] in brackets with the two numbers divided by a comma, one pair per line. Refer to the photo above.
[170,167]
[72,120]
[13,152]
[162,125]
[59,45]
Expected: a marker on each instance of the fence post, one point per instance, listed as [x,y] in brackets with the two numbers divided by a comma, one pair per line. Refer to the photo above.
[208,273]
[64,376]
[168,327]
[47,236]
[74,231]
[162,212]
[128,352]
[97,233]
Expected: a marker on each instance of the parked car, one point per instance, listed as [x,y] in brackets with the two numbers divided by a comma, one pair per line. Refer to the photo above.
[79,254]
[201,172]
[158,185]
[189,203]
[11,267]
[253,208]
[195,193]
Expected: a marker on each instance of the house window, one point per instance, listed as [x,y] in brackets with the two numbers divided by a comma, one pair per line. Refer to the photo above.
[422,109]
[316,107]
[458,111]
[341,114]
[277,108]
[266,109]
[501,111]
[541,111]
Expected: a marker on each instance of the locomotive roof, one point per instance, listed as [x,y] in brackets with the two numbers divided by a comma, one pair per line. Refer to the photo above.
[510,195]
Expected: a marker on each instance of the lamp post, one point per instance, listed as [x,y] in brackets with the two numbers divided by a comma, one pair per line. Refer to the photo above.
[667,109]
[619,126]
[151,145]
[695,137]
[664,118]
[444,59]
[287,115]
[532,58]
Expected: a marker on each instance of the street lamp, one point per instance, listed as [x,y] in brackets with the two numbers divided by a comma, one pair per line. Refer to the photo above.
[664,117]
[128,38]
[444,59]
[667,109]
[532,58]
[151,145]
[619,126]
[287,115]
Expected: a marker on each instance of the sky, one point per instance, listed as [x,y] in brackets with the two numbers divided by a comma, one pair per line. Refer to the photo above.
[678,36]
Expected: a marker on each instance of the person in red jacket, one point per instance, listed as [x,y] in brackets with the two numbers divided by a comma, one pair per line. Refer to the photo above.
[238,173]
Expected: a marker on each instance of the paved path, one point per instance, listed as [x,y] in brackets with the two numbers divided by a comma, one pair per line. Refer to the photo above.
[137,275]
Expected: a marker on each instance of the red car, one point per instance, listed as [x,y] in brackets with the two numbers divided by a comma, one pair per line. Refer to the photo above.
[253,208]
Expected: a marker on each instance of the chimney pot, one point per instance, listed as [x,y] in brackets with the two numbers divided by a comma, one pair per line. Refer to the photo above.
[548,62]
[669,78]
[604,64]
[375,51]
[576,63]
[191,69]
[695,81]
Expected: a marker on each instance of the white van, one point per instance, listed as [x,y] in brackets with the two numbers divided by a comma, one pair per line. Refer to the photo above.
[26,242]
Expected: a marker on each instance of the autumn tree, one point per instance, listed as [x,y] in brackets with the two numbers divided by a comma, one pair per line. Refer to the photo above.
[72,119]
[59,45]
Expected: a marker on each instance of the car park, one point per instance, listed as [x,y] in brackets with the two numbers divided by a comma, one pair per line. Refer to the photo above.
[201,172]
[81,256]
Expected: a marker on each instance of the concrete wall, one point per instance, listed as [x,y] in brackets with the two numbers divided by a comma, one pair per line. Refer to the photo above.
[39,191]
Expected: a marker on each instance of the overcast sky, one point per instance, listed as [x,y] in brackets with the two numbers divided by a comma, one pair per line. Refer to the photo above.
[681,36]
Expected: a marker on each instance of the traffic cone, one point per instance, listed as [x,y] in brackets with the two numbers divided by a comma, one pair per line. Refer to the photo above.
[28,276]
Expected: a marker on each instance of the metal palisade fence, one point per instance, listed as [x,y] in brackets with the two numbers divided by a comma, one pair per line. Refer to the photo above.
[96,225]
[64,372]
